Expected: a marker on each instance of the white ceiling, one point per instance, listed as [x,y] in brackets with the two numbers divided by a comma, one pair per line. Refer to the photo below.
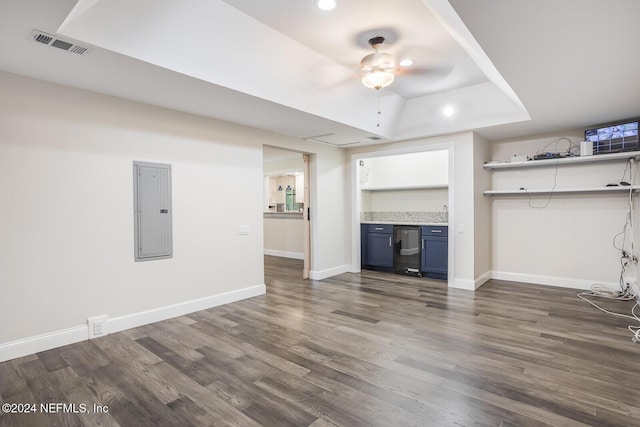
[410,30]
[510,68]
[573,63]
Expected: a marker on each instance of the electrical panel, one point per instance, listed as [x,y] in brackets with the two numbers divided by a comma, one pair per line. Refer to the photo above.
[152,211]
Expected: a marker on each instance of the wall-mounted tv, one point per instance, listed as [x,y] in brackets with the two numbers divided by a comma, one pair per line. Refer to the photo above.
[614,138]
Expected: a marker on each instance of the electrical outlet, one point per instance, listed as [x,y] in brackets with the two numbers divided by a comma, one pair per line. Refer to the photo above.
[98,326]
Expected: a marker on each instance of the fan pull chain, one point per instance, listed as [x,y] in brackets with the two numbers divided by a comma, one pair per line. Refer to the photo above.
[379,112]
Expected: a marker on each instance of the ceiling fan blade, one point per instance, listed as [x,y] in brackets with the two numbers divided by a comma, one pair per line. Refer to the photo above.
[436,72]
[424,57]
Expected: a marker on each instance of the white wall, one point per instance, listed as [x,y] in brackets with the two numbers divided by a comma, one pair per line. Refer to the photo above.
[66,227]
[330,215]
[432,200]
[482,206]
[567,243]
[400,170]
[405,170]
[284,166]
[284,237]
[462,228]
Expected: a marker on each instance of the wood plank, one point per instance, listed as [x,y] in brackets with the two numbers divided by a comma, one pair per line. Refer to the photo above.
[355,349]
[138,406]
[197,370]
[219,407]
[36,419]
[46,390]
[12,380]
[355,316]
[52,360]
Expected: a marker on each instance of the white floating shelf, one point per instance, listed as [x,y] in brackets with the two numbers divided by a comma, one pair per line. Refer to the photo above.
[536,192]
[564,160]
[406,187]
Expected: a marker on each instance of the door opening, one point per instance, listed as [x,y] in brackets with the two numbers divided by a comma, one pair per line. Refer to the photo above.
[286,207]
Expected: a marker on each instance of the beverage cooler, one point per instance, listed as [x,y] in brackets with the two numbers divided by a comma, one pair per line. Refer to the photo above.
[406,250]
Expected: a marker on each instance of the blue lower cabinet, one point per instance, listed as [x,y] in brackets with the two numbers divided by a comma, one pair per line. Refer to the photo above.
[376,246]
[377,249]
[435,252]
[380,250]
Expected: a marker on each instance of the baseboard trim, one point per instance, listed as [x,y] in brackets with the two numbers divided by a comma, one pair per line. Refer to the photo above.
[472,285]
[122,323]
[482,279]
[329,272]
[284,254]
[35,344]
[38,343]
[562,282]
[465,284]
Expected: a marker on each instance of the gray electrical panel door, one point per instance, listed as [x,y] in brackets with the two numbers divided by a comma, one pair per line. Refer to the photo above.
[152,211]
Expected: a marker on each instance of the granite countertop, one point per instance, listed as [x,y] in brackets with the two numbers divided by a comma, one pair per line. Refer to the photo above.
[405,217]
[405,223]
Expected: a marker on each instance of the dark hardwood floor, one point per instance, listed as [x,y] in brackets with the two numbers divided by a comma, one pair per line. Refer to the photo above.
[368,349]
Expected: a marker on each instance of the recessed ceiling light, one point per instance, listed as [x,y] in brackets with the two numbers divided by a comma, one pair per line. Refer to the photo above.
[326,4]
[448,111]
[407,62]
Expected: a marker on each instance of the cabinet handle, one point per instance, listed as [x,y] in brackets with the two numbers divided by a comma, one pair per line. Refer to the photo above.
[389,241]
[436,231]
[379,228]
[422,243]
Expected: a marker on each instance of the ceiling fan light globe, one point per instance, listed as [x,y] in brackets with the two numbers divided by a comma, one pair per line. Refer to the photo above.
[377,60]
[377,79]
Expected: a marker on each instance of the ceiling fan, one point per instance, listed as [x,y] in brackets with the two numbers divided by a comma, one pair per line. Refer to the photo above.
[378,68]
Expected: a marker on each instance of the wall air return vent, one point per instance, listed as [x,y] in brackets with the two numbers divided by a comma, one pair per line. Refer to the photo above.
[51,40]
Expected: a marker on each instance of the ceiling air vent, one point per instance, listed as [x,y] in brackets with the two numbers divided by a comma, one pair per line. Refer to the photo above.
[331,139]
[374,138]
[51,40]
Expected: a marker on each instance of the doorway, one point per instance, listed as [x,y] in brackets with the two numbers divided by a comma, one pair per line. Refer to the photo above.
[286,205]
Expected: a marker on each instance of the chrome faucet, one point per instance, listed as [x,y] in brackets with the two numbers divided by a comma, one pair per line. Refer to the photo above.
[446,209]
